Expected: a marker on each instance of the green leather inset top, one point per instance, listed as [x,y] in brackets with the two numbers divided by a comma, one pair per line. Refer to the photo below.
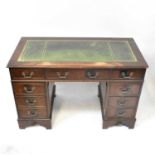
[77,51]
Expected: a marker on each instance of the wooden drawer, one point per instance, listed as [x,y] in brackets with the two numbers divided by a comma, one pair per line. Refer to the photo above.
[27,88]
[120,113]
[97,74]
[125,88]
[123,102]
[65,74]
[128,74]
[31,101]
[32,112]
[77,74]
[27,74]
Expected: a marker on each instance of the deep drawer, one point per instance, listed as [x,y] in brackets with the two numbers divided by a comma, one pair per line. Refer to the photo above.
[29,88]
[32,112]
[27,74]
[31,101]
[125,88]
[122,102]
[128,74]
[120,113]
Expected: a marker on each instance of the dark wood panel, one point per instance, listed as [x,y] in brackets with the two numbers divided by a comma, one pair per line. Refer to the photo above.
[129,122]
[25,112]
[125,88]
[120,113]
[77,74]
[31,101]
[46,122]
[27,74]
[122,102]
[128,74]
[29,88]
[97,74]
[64,74]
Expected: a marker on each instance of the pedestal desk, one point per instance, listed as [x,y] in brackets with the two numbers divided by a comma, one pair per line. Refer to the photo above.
[115,63]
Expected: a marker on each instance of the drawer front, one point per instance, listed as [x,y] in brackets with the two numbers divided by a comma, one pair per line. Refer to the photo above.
[29,88]
[96,74]
[123,102]
[77,74]
[27,74]
[120,113]
[125,89]
[32,112]
[64,74]
[128,74]
[31,101]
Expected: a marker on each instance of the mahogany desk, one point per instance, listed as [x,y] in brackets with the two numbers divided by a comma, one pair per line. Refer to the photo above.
[116,63]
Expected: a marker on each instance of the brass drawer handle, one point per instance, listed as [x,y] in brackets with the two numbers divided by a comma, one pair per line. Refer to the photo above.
[30,101]
[126,74]
[27,76]
[62,76]
[92,75]
[121,102]
[120,113]
[125,89]
[32,113]
[29,89]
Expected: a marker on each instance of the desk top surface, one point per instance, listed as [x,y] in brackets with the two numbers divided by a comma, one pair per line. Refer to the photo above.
[77,53]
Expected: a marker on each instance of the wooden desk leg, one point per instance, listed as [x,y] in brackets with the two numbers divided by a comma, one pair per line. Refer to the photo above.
[130,123]
[42,122]
[101,98]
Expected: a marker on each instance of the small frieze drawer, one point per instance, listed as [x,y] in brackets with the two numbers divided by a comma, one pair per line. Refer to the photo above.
[128,74]
[120,113]
[122,102]
[32,112]
[64,74]
[31,101]
[124,88]
[27,74]
[97,74]
[27,88]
